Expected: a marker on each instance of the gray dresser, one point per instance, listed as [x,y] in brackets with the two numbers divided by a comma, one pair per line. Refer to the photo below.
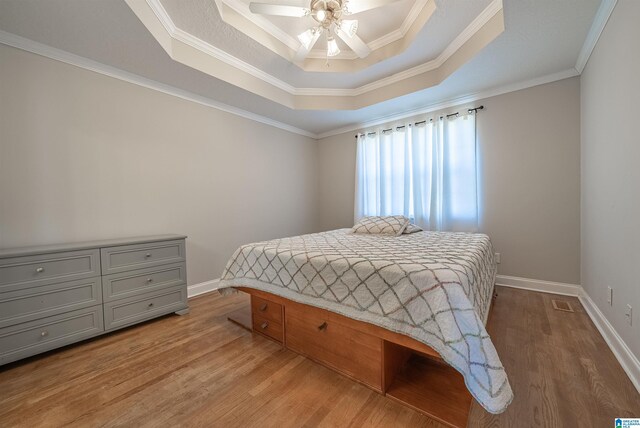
[54,295]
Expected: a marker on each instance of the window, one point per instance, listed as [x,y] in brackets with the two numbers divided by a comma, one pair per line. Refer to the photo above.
[426,172]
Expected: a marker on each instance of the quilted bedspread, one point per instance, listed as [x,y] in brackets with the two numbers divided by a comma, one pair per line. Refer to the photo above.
[435,287]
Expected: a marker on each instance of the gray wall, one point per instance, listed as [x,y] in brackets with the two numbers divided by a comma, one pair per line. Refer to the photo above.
[611,171]
[530,150]
[85,156]
[104,158]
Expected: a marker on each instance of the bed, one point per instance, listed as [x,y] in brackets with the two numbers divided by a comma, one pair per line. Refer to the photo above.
[434,288]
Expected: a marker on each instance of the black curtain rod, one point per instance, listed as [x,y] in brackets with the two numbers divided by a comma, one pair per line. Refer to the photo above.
[471,110]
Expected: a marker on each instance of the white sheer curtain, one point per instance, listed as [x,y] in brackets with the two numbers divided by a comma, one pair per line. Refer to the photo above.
[426,172]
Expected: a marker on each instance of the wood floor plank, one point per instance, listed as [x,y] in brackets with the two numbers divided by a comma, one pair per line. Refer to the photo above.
[201,370]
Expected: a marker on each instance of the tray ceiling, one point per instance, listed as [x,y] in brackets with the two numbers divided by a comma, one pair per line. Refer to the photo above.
[543,41]
[189,33]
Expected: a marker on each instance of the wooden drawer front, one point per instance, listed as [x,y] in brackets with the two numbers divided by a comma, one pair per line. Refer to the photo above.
[130,257]
[349,351]
[126,284]
[32,271]
[38,302]
[268,327]
[266,309]
[23,340]
[138,308]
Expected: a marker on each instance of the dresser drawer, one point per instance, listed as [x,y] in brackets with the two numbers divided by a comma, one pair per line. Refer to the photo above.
[266,309]
[268,327]
[138,308]
[38,302]
[31,271]
[43,334]
[320,337]
[129,257]
[133,283]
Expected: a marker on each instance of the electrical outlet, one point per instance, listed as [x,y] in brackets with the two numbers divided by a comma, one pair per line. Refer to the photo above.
[628,314]
[498,258]
[610,296]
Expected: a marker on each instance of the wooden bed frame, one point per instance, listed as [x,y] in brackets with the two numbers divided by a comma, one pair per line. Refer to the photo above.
[390,363]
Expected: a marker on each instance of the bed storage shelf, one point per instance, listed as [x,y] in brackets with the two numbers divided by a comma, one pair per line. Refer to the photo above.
[433,388]
[390,363]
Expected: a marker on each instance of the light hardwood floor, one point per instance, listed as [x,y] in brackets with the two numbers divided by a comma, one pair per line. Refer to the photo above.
[200,370]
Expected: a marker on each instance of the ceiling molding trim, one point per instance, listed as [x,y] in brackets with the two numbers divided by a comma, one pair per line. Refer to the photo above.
[46,51]
[208,49]
[163,16]
[599,22]
[28,45]
[263,23]
[476,25]
[483,18]
[453,102]
[406,24]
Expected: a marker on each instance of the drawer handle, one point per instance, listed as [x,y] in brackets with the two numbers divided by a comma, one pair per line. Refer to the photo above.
[149,279]
[322,326]
[44,333]
[150,305]
[147,255]
[39,270]
[263,307]
[264,325]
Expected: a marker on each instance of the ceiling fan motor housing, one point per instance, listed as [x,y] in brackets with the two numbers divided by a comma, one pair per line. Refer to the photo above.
[326,12]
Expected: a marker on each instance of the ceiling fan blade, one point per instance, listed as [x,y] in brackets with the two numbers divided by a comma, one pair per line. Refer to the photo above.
[355,43]
[277,9]
[303,51]
[357,6]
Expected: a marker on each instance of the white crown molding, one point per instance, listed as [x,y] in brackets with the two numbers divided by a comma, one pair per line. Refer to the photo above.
[203,287]
[599,22]
[404,28]
[629,362]
[162,15]
[207,48]
[28,45]
[489,12]
[87,64]
[56,54]
[452,102]
[263,23]
[223,56]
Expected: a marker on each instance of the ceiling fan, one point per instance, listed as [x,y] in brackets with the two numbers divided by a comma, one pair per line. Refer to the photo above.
[328,15]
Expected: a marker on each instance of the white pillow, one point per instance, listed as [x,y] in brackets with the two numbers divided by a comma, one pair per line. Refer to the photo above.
[387,225]
[412,228]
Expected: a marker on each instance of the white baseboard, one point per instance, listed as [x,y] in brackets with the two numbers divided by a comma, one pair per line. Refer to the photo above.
[623,354]
[627,360]
[539,285]
[201,288]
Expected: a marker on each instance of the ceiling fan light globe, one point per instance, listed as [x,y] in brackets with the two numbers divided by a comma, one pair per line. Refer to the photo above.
[349,26]
[321,15]
[306,38]
[332,48]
